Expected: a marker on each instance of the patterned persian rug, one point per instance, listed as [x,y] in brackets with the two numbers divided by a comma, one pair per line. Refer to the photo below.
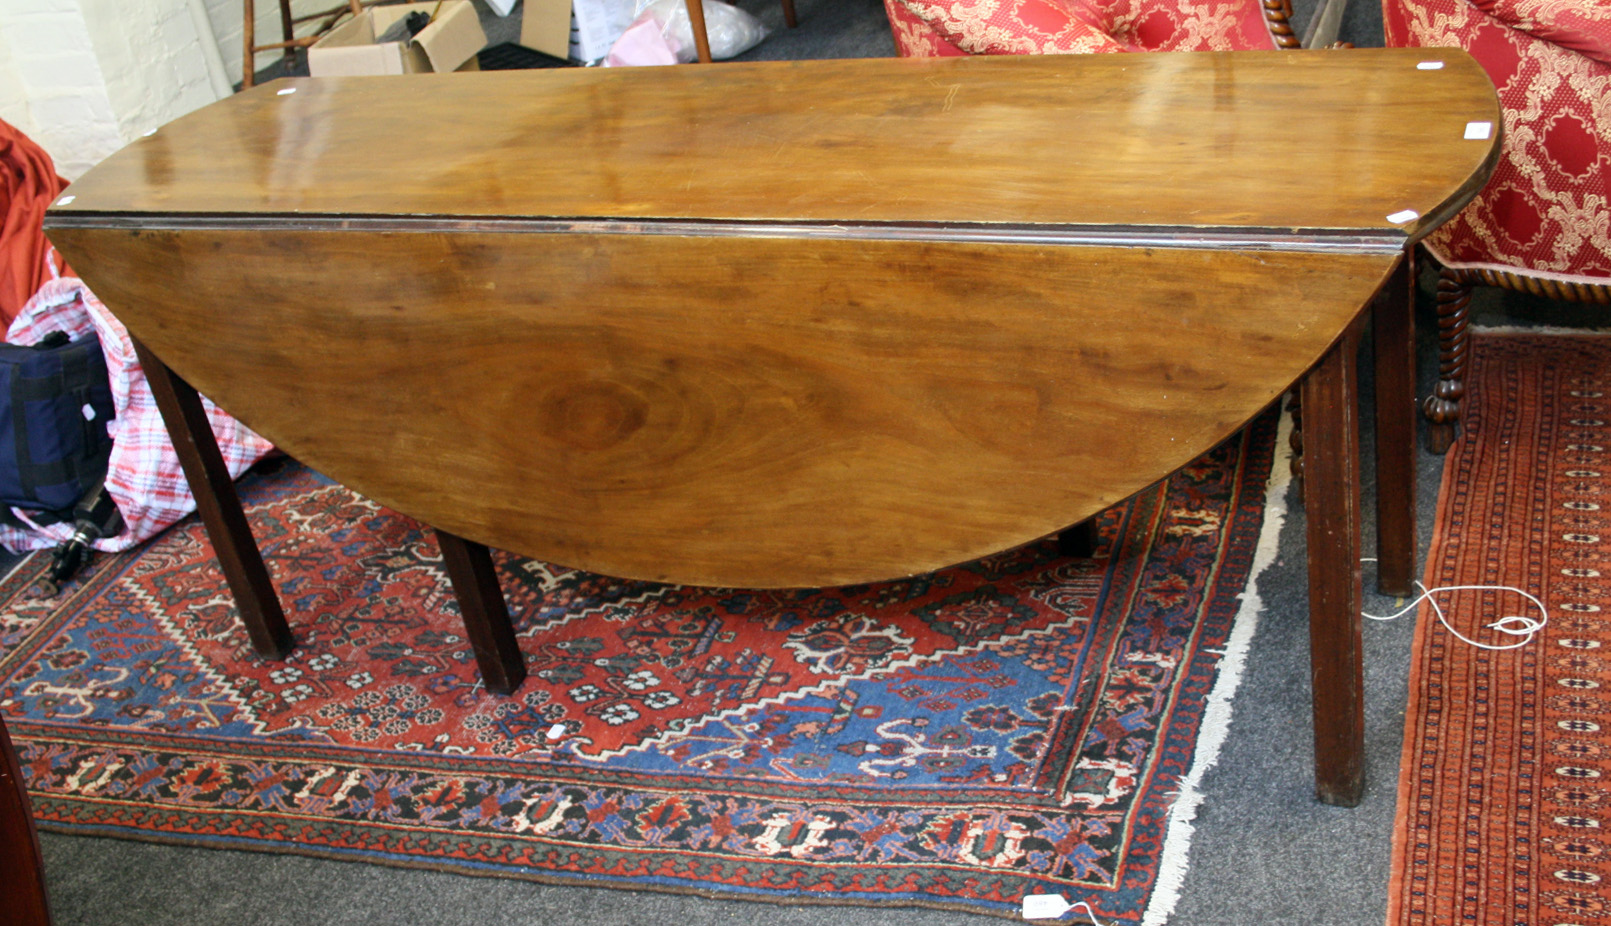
[1505,790]
[1023,724]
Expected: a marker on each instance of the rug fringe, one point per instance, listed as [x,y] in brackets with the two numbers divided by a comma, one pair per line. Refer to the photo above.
[1216,724]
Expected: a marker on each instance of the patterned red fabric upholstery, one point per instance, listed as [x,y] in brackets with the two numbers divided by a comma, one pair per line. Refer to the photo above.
[1545,212]
[1584,26]
[928,28]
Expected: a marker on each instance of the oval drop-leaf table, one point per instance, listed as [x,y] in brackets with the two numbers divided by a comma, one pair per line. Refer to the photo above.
[792,324]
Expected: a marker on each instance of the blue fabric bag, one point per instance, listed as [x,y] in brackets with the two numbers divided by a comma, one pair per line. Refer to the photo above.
[57,403]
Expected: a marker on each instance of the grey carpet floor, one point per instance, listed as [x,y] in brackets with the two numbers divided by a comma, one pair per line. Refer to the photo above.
[1263,850]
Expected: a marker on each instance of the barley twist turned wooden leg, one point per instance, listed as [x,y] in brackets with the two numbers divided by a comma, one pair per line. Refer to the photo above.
[1442,407]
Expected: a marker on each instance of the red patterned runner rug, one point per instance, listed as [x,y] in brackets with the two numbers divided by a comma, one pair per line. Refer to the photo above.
[1505,782]
[1022,724]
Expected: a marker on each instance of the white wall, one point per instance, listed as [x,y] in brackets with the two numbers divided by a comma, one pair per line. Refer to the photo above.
[13,100]
[84,77]
[59,80]
[151,58]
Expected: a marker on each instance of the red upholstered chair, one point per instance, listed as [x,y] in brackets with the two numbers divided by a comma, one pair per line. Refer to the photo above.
[929,28]
[1543,224]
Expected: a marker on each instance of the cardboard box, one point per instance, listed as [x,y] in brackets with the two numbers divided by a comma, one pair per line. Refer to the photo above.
[581,30]
[449,43]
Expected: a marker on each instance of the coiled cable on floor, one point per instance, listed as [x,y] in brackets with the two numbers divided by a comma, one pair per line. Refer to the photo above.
[1515,625]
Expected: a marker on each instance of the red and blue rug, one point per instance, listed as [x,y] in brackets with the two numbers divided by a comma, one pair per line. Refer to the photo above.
[1022,724]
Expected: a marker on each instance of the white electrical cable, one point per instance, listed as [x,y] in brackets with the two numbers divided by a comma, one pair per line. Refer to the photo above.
[1514,625]
[1054,906]
[1088,911]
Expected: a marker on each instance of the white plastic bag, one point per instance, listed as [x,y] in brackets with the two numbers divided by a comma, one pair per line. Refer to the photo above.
[731,31]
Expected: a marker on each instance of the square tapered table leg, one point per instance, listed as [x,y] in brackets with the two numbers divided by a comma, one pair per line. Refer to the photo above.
[486,615]
[469,565]
[1393,336]
[1331,505]
[219,506]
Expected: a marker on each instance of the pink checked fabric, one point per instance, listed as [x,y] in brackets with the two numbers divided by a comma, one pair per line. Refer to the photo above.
[931,28]
[144,476]
[1545,212]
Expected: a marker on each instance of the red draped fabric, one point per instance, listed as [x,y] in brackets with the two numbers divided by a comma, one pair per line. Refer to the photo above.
[28,185]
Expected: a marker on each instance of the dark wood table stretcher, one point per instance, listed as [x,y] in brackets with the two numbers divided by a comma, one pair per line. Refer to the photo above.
[794,324]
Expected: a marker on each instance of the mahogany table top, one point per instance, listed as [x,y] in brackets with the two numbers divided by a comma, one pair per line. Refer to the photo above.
[775,324]
[1296,140]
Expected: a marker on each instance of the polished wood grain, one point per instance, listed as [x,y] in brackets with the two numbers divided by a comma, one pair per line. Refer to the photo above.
[746,412]
[1295,140]
[803,323]
[469,565]
[745,326]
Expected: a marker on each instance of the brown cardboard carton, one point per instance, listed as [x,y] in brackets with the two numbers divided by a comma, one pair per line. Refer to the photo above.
[545,26]
[449,43]
[581,30]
